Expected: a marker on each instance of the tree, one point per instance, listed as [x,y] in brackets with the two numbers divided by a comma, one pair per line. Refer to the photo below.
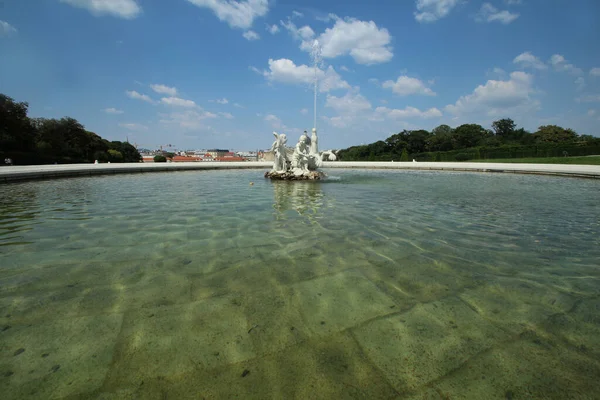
[554,134]
[16,131]
[440,139]
[468,135]
[417,141]
[115,156]
[404,156]
[504,128]
[159,158]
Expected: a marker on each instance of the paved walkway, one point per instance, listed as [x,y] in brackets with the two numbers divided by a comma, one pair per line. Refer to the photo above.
[29,172]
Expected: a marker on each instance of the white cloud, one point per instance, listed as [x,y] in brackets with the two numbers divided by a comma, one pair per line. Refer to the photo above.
[138,96]
[178,102]
[134,127]
[560,64]
[285,71]
[238,14]
[590,98]
[273,29]
[251,35]
[304,111]
[364,41]
[226,115]
[254,69]
[513,2]
[407,112]
[238,105]
[406,85]
[171,91]
[304,33]
[221,101]
[6,29]
[275,121]
[580,82]
[595,71]
[528,60]
[113,110]
[344,68]
[432,10]
[297,14]
[498,97]
[188,120]
[591,113]
[351,103]
[127,9]
[489,13]
[374,81]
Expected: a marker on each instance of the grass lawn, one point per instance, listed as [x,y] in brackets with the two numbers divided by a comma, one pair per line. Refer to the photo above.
[586,160]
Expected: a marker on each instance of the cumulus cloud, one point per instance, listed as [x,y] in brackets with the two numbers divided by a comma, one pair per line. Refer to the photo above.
[351,103]
[188,120]
[595,71]
[406,85]
[286,71]
[489,13]
[163,89]
[432,10]
[560,64]
[113,110]
[528,60]
[276,123]
[127,9]
[364,41]
[226,115]
[498,97]
[590,98]
[238,14]
[273,29]
[251,35]
[303,33]
[138,96]
[407,112]
[221,101]
[178,102]
[7,29]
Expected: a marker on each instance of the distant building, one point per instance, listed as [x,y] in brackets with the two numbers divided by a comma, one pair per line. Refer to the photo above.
[217,152]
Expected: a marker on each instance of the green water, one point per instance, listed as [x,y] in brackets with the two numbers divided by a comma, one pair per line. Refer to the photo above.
[416,285]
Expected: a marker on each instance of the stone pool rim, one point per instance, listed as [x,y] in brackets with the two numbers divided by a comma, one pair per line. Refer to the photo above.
[10,174]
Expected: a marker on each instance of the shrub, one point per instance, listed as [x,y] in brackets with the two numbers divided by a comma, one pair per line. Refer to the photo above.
[159,158]
[462,157]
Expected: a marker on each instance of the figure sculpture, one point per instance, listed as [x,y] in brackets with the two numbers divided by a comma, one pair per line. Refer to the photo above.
[303,159]
[300,158]
[279,150]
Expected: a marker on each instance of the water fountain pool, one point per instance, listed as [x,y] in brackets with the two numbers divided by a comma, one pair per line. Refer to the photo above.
[372,284]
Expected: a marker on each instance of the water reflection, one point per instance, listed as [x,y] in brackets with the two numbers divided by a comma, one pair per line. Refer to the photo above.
[306,198]
[18,210]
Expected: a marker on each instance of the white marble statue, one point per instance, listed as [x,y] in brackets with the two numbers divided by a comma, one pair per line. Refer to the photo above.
[280,153]
[328,155]
[314,142]
[300,158]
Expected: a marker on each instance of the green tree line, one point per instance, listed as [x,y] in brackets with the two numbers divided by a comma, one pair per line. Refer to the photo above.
[28,140]
[473,141]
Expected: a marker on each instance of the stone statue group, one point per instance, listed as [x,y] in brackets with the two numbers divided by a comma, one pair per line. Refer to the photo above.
[304,159]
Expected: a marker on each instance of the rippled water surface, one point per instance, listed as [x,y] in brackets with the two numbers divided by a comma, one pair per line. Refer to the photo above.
[372,284]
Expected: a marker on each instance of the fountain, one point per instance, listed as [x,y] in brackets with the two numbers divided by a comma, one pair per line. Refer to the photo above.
[302,162]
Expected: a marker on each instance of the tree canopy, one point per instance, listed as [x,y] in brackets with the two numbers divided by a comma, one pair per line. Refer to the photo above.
[473,141]
[41,140]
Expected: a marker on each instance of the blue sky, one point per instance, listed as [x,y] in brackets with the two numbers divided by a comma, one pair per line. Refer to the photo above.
[218,73]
